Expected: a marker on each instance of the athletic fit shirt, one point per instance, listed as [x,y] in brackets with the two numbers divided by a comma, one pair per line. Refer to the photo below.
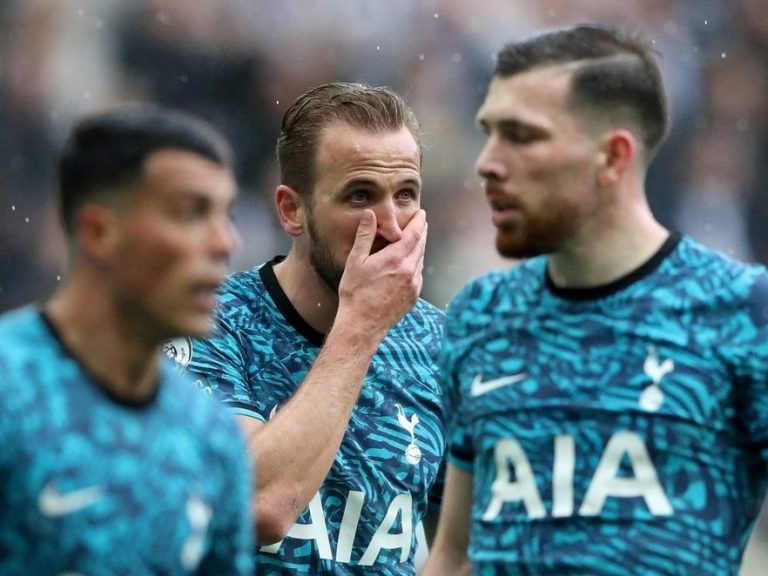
[93,486]
[617,430]
[363,519]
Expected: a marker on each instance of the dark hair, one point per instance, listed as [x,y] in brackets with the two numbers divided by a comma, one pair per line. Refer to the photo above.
[378,109]
[108,150]
[613,73]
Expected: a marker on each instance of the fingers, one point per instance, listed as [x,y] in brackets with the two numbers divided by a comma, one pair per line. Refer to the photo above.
[366,234]
[415,232]
[414,238]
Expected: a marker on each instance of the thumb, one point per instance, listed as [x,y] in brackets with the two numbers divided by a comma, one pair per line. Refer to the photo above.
[366,233]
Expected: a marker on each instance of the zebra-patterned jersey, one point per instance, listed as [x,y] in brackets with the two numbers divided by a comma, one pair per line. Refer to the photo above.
[94,486]
[364,518]
[616,430]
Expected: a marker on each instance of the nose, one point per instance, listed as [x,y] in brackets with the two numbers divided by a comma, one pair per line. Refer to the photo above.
[225,238]
[488,164]
[387,225]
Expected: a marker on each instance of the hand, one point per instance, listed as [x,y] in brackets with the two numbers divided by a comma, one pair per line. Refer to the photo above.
[377,290]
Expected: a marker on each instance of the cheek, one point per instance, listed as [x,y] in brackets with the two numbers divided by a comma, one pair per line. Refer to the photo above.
[154,261]
[404,216]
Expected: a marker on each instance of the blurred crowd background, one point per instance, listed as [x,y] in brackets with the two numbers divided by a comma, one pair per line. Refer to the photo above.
[240,63]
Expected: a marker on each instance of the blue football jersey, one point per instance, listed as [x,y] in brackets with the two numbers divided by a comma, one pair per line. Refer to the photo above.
[615,430]
[363,519]
[94,486]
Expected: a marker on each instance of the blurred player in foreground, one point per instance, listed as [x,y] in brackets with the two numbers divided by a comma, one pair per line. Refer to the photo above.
[111,462]
[609,395]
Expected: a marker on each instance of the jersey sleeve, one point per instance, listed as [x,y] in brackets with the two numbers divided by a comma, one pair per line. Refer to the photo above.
[460,451]
[232,534]
[220,364]
[750,357]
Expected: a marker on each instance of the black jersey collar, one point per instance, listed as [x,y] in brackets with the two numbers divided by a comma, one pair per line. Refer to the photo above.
[596,292]
[100,384]
[285,306]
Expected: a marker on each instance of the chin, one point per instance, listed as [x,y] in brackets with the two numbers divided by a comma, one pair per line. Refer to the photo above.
[199,327]
[518,247]
[510,249]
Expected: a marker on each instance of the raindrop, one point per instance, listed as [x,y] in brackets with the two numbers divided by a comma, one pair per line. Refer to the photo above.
[13,208]
[58,278]
[80,12]
[26,219]
[184,78]
[456,58]
[437,15]
[421,56]
[86,95]
[378,48]
[722,55]
[706,22]
[277,101]
[99,23]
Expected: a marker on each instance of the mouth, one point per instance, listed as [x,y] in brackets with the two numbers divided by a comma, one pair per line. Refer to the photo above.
[378,244]
[505,212]
[204,295]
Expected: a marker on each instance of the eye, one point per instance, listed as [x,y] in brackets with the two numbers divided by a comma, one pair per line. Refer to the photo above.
[358,196]
[406,194]
[520,134]
[190,210]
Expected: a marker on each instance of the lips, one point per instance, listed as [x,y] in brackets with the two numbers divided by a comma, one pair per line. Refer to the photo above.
[378,244]
[204,294]
[505,212]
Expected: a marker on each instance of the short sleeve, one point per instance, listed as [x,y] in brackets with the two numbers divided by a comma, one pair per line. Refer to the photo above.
[460,450]
[219,364]
[750,358]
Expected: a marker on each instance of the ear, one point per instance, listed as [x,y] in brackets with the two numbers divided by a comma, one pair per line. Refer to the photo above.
[291,209]
[617,155]
[97,230]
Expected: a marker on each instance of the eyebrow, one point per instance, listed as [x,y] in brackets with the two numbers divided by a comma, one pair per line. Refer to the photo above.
[369,183]
[504,123]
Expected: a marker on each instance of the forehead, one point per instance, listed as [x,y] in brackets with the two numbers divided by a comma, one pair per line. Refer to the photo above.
[172,170]
[344,149]
[535,97]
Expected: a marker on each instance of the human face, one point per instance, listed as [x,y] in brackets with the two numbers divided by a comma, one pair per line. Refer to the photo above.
[538,164]
[358,169]
[173,245]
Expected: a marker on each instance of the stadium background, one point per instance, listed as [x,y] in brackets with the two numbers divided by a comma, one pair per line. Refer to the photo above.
[239,63]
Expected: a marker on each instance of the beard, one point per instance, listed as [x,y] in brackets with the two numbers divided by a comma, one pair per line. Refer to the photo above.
[535,235]
[321,258]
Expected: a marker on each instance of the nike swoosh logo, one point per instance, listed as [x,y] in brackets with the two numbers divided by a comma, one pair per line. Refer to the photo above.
[479,387]
[54,504]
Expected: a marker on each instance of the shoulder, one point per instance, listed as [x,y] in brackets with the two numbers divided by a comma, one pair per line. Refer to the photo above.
[202,423]
[22,334]
[240,293]
[426,312]
[488,291]
[203,410]
[422,324]
[710,275]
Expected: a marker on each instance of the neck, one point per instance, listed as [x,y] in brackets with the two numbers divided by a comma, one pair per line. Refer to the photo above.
[116,351]
[313,299]
[613,248]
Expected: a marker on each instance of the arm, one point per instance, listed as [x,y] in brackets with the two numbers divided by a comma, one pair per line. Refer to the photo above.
[449,552]
[294,451]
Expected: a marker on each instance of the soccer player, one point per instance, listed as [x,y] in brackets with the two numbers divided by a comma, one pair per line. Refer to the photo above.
[327,354]
[112,462]
[608,397]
